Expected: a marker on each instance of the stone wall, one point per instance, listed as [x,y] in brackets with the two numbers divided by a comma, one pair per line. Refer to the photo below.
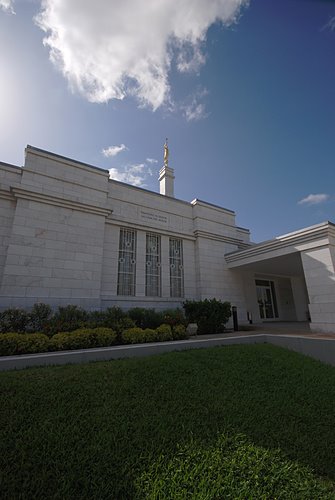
[59,238]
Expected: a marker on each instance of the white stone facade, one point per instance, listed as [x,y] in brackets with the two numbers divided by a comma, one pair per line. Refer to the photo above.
[60,233]
[63,224]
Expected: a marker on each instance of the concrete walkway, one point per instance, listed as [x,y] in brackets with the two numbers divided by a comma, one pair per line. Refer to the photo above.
[294,336]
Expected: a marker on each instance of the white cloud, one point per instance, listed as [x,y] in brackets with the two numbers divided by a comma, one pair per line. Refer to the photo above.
[194,109]
[151,160]
[113,150]
[7,6]
[314,199]
[190,58]
[330,25]
[131,174]
[127,48]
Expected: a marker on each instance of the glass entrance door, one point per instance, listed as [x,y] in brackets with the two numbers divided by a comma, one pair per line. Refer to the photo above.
[266,299]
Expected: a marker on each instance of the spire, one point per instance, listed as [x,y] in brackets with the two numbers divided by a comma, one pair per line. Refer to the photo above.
[166,153]
[166,175]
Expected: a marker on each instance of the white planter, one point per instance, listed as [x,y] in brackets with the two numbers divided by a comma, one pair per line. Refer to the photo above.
[192,329]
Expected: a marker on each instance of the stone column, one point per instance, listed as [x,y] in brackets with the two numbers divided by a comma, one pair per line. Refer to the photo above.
[140,263]
[165,263]
[319,273]
[300,297]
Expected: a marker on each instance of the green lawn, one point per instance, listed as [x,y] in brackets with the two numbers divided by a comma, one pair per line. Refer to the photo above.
[247,422]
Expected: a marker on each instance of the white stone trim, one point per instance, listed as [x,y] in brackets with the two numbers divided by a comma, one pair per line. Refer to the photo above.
[6,195]
[76,183]
[31,150]
[314,236]
[59,202]
[200,203]
[217,237]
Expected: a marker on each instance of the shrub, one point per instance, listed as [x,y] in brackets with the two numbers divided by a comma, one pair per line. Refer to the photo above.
[210,315]
[96,319]
[150,335]
[102,337]
[21,343]
[145,318]
[122,325]
[13,320]
[38,317]
[133,336]
[164,333]
[33,342]
[83,339]
[174,317]
[192,310]
[179,332]
[112,317]
[8,343]
[66,319]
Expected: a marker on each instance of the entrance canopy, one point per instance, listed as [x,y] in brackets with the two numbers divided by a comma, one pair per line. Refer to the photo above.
[307,255]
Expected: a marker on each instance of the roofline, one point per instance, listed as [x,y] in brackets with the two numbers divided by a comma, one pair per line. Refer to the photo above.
[66,158]
[10,165]
[194,202]
[197,201]
[244,229]
[298,237]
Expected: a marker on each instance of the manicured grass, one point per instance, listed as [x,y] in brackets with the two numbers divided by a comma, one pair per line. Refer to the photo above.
[251,422]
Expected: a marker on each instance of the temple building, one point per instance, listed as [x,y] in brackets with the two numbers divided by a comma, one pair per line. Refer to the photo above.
[71,235]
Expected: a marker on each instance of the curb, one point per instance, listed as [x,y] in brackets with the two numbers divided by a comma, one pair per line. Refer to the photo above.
[321,349]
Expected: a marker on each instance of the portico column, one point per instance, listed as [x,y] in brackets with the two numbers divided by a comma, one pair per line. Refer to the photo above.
[319,270]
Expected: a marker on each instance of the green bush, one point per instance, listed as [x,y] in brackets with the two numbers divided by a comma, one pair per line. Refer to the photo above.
[133,336]
[21,343]
[66,319]
[112,317]
[32,343]
[123,324]
[179,332]
[150,335]
[146,318]
[164,332]
[102,337]
[114,314]
[65,341]
[95,319]
[174,317]
[210,314]
[38,317]
[8,343]
[83,339]
[13,320]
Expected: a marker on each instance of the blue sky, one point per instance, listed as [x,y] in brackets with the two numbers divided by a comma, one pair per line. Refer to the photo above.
[244,91]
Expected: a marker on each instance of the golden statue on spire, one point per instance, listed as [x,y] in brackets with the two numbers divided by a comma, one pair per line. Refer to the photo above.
[166,153]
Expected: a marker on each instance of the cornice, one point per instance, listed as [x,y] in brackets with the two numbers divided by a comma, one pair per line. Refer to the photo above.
[295,239]
[6,195]
[10,168]
[64,159]
[218,237]
[59,202]
[205,204]
[65,181]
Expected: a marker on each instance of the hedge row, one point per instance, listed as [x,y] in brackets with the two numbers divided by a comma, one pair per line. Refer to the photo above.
[162,333]
[21,343]
[42,319]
